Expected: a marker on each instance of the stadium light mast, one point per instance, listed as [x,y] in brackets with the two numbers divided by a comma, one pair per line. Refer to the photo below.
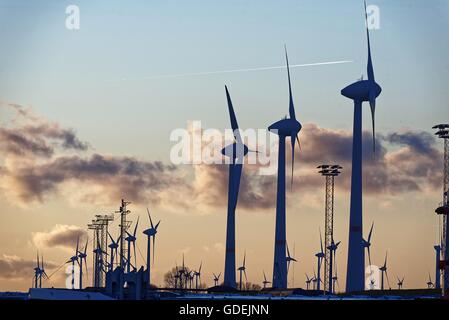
[329,172]
[443,208]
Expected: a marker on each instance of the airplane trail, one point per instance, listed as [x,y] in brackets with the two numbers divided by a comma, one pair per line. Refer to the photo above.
[237,70]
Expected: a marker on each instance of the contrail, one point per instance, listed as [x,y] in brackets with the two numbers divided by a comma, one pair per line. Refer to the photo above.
[237,70]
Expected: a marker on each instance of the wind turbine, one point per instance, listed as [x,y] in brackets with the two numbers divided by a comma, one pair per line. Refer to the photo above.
[72,261]
[42,272]
[308,281]
[359,92]
[314,280]
[429,283]
[37,271]
[383,269]
[131,238]
[265,281]
[289,259]
[367,244]
[333,261]
[320,256]
[82,255]
[242,269]
[400,282]
[198,276]
[114,247]
[216,278]
[288,127]
[237,152]
[150,233]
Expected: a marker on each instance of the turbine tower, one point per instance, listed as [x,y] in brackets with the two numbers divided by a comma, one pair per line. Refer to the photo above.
[443,208]
[236,151]
[384,269]
[437,266]
[360,91]
[329,172]
[288,127]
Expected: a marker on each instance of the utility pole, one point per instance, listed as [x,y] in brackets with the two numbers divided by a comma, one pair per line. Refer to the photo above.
[329,172]
[443,207]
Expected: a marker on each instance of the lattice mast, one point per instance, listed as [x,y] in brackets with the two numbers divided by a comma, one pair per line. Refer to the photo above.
[329,172]
[443,208]
[124,226]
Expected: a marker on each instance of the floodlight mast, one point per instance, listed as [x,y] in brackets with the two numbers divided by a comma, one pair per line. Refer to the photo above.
[329,172]
[443,208]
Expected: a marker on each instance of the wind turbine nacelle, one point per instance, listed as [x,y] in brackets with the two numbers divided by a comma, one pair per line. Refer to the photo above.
[149,232]
[286,127]
[361,90]
[235,151]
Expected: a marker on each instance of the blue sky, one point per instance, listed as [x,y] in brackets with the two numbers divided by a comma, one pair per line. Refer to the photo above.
[73,76]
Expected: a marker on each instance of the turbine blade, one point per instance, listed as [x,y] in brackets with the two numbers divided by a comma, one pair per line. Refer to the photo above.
[370,69]
[157,225]
[370,233]
[135,228]
[110,237]
[321,242]
[149,216]
[291,107]
[135,256]
[234,124]
[369,256]
[246,278]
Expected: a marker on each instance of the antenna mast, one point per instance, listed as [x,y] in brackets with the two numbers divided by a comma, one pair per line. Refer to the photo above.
[329,172]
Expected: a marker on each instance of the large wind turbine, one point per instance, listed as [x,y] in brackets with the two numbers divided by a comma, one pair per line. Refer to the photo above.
[360,91]
[82,255]
[367,244]
[384,269]
[320,256]
[131,238]
[288,127]
[236,151]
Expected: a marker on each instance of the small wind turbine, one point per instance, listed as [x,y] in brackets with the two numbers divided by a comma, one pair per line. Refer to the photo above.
[82,255]
[265,281]
[150,233]
[289,259]
[72,261]
[131,238]
[198,276]
[308,281]
[242,269]
[400,282]
[367,245]
[114,247]
[216,278]
[429,283]
[314,280]
[383,269]
[333,262]
[42,272]
[320,256]
[37,272]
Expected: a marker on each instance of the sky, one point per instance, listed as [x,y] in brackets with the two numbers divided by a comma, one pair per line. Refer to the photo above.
[79,108]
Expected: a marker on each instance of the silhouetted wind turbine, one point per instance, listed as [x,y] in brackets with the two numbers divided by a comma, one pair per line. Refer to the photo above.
[236,152]
[131,238]
[367,244]
[42,272]
[150,233]
[242,269]
[198,276]
[360,91]
[37,271]
[82,255]
[437,265]
[288,127]
[216,278]
[429,283]
[289,259]
[114,247]
[383,269]
[333,261]
[72,261]
[265,281]
[320,256]
[308,281]
[400,282]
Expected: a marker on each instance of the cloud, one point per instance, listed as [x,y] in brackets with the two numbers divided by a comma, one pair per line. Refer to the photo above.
[38,165]
[31,135]
[16,268]
[61,236]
